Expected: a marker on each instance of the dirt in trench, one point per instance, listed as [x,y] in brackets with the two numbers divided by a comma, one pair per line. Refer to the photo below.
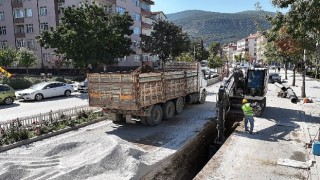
[187,162]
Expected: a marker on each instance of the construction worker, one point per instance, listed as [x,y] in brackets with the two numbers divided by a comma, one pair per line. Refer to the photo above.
[248,115]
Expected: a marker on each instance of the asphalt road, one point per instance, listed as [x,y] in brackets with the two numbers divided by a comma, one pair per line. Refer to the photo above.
[27,108]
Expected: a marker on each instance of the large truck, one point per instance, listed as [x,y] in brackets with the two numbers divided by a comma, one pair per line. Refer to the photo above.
[147,95]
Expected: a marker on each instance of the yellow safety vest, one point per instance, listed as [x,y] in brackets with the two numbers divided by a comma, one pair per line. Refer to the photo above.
[247,109]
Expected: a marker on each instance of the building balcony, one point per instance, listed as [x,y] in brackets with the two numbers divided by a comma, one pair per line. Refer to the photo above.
[146,25]
[148,2]
[18,20]
[20,35]
[146,13]
[17,4]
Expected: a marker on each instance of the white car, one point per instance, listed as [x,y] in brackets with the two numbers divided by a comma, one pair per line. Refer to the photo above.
[45,90]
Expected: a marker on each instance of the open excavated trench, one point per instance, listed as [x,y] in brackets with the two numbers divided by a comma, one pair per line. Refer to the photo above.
[187,162]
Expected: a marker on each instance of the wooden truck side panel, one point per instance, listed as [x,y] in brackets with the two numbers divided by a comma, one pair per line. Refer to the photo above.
[136,91]
[114,91]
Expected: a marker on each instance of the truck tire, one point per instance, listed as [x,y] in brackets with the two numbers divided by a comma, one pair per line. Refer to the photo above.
[179,104]
[143,120]
[203,97]
[156,116]
[168,110]
[121,118]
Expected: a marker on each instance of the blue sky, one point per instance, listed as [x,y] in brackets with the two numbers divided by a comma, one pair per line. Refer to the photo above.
[224,6]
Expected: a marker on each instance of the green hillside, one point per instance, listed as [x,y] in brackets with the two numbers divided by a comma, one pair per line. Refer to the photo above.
[222,27]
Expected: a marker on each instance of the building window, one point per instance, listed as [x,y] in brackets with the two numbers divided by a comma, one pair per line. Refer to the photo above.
[108,9]
[146,7]
[120,10]
[136,3]
[3,44]
[2,16]
[136,30]
[46,56]
[136,16]
[31,43]
[29,28]
[20,43]
[44,26]
[19,29]
[28,12]
[43,11]
[3,30]
[18,13]
[60,7]
[136,58]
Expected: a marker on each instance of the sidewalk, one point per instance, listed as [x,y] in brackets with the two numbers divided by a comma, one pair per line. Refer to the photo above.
[311,114]
[281,135]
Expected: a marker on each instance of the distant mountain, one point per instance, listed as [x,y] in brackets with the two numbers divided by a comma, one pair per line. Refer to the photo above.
[222,27]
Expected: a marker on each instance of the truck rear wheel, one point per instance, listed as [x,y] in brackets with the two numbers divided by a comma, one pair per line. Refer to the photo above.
[143,120]
[179,104]
[168,110]
[156,116]
[203,97]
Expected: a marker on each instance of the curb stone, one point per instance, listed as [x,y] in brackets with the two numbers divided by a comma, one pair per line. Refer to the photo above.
[48,135]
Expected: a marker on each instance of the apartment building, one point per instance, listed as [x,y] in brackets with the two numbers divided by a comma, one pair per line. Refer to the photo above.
[22,20]
[230,50]
[261,43]
[248,45]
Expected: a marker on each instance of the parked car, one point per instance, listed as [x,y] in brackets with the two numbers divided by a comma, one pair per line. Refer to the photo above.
[274,77]
[7,95]
[83,86]
[45,90]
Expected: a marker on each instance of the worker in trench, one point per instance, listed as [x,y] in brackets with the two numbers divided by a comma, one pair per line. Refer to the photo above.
[247,109]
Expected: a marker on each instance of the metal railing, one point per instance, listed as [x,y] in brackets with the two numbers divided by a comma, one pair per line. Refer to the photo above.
[49,117]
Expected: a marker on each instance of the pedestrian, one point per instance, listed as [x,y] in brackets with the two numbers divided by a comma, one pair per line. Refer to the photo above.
[248,115]
[279,69]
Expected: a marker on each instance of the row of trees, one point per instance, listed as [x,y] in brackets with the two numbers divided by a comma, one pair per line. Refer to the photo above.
[87,35]
[22,57]
[294,36]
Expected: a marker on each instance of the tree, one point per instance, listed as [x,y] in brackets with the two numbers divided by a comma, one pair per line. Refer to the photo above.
[215,49]
[303,22]
[7,57]
[26,58]
[215,62]
[166,40]
[57,61]
[286,48]
[185,57]
[88,35]
[238,57]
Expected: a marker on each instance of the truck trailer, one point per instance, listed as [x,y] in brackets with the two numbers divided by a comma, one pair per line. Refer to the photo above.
[147,95]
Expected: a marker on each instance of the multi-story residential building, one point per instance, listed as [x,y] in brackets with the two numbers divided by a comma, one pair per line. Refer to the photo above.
[252,46]
[21,21]
[242,46]
[248,45]
[261,43]
[230,50]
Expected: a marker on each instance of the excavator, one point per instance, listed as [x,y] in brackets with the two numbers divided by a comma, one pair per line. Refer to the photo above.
[3,72]
[249,83]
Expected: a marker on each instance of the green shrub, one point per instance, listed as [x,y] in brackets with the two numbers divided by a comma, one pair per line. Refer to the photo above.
[79,78]
[60,79]
[17,83]
[36,81]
